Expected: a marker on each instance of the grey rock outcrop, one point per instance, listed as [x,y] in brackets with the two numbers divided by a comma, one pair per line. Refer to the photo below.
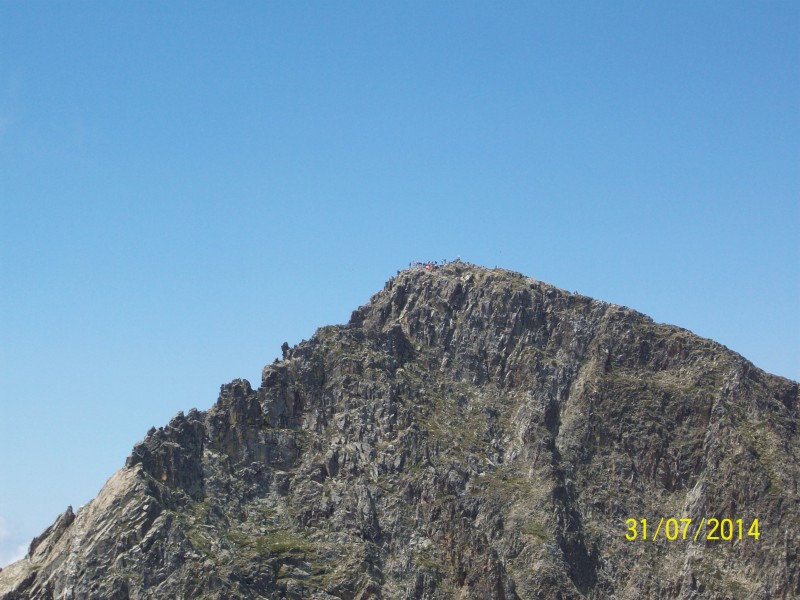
[470,433]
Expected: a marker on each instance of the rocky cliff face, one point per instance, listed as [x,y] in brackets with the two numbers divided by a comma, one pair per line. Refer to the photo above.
[470,433]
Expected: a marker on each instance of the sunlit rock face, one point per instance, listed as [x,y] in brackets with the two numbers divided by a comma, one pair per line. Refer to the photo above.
[470,433]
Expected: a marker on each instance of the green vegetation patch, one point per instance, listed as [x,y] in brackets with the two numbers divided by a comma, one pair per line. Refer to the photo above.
[535,529]
[276,543]
[283,542]
[427,559]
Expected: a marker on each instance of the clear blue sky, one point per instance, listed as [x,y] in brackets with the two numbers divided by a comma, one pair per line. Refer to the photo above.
[184,186]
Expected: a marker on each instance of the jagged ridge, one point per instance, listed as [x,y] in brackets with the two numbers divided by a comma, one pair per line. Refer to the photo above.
[469,433]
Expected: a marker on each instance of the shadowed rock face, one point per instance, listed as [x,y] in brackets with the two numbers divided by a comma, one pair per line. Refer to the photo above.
[471,433]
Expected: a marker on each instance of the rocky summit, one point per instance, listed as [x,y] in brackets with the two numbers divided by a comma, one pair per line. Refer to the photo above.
[470,433]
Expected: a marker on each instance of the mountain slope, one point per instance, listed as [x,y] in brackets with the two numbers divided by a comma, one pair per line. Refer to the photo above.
[470,433]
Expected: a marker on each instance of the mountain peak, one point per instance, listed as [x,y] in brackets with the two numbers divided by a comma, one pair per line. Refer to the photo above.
[470,432]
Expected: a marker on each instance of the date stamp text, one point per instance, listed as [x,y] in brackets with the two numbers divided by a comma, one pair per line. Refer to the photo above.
[674,529]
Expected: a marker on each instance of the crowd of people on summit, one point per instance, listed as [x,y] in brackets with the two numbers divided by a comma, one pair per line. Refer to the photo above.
[431,265]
